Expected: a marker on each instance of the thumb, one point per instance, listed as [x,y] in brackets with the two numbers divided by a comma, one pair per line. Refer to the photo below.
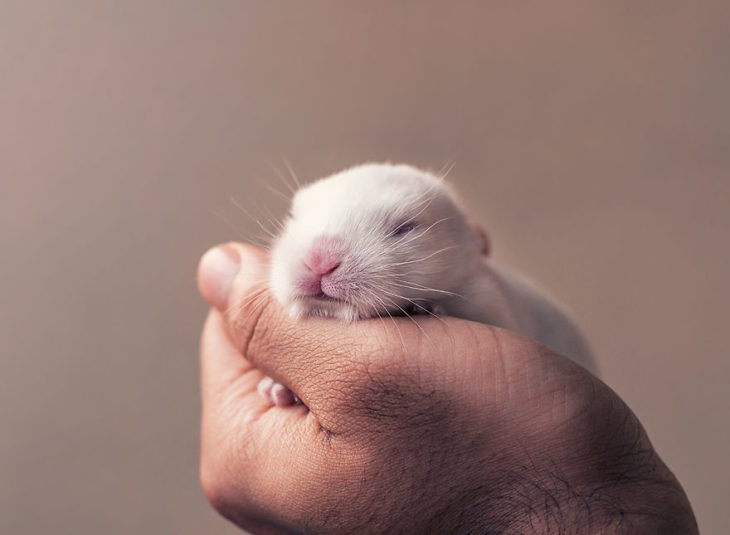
[222,266]
[317,357]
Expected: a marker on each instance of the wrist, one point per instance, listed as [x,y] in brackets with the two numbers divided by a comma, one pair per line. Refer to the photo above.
[606,486]
[611,507]
[639,495]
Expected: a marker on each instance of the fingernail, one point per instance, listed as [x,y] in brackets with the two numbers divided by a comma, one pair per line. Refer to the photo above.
[218,268]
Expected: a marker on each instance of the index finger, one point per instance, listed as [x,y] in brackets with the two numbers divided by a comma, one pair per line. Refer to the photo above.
[318,358]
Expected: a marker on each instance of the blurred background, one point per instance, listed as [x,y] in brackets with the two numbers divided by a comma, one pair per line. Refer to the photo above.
[592,139]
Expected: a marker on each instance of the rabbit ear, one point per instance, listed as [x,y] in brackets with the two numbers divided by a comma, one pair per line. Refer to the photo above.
[483,237]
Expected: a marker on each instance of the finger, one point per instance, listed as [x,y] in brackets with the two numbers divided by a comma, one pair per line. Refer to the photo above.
[217,269]
[221,364]
[317,358]
[324,360]
[244,439]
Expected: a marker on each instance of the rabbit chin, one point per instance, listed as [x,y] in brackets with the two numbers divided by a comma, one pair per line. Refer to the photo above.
[304,307]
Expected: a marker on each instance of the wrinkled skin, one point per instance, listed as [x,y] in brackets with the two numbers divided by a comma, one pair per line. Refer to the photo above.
[421,426]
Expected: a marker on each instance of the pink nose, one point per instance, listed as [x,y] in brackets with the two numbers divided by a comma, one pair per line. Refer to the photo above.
[325,256]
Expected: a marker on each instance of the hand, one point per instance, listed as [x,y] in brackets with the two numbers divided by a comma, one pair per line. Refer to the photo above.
[411,426]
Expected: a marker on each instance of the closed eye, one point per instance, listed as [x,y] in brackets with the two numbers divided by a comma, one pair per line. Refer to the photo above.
[403,228]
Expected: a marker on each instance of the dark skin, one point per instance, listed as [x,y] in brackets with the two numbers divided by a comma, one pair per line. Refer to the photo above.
[423,426]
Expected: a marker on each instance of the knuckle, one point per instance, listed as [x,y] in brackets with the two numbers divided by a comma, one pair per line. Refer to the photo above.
[223,455]
[247,317]
[268,334]
[223,458]
[385,356]
[352,356]
[393,389]
[215,487]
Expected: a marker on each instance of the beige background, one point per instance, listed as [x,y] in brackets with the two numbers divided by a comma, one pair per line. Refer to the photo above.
[592,138]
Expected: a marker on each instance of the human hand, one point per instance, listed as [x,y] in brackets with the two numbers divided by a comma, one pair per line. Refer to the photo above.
[411,426]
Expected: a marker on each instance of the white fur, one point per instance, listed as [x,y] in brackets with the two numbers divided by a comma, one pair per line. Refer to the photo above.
[438,264]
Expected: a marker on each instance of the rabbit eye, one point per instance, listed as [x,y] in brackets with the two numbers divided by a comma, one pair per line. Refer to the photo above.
[403,228]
